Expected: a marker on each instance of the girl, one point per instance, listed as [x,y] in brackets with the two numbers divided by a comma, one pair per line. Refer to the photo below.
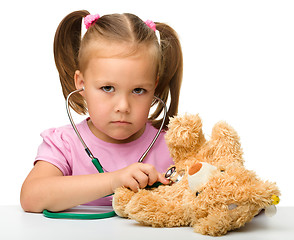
[121,63]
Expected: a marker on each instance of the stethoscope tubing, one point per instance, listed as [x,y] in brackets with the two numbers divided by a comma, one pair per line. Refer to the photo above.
[73,123]
[89,216]
[97,164]
[85,145]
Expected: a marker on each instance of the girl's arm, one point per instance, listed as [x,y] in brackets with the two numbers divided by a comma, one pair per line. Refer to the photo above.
[47,188]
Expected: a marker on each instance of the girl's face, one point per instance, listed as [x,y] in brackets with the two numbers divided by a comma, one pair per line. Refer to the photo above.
[119,92]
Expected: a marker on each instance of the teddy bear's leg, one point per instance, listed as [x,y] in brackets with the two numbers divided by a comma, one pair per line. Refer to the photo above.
[215,224]
[225,142]
[121,198]
[219,222]
[150,208]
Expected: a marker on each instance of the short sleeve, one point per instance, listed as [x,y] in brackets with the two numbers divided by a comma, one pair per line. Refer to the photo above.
[54,150]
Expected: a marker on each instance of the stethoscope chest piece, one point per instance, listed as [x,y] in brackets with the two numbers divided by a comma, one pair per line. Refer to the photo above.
[173,175]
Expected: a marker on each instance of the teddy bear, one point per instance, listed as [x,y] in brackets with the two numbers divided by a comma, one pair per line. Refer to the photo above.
[210,189]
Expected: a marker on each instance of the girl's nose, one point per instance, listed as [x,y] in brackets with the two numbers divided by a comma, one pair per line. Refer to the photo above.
[122,105]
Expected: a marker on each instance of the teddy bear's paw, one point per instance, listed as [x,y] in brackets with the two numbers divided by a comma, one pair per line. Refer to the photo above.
[226,142]
[184,134]
[121,198]
[183,129]
[223,130]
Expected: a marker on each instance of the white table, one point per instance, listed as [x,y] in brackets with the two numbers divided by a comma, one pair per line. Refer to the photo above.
[16,224]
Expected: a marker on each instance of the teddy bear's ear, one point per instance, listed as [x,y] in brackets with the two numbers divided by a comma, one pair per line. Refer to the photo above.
[184,134]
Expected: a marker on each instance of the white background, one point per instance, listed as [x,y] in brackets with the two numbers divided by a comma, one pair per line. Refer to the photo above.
[238,67]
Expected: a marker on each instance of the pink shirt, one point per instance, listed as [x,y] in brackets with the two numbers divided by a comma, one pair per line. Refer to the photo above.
[62,148]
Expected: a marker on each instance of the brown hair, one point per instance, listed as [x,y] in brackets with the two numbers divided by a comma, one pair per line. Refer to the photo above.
[70,54]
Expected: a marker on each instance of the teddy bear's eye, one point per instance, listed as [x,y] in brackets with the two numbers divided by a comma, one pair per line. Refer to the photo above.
[197,194]
[222,170]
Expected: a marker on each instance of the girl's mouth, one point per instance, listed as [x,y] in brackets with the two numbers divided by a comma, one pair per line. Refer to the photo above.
[121,122]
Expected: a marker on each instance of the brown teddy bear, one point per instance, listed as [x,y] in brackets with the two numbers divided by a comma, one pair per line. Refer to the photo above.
[210,188]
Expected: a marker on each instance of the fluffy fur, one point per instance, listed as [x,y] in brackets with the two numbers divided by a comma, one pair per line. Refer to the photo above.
[230,198]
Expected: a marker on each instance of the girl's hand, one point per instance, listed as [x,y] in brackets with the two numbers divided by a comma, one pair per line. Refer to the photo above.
[137,175]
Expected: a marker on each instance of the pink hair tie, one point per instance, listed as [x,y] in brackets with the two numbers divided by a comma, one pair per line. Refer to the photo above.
[151,25]
[91,19]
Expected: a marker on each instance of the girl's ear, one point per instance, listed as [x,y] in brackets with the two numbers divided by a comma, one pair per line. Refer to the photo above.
[157,80]
[79,80]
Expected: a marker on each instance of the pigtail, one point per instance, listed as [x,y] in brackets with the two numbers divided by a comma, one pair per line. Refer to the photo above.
[66,49]
[170,73]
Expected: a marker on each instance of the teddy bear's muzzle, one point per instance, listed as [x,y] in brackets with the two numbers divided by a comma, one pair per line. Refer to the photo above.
[199,174]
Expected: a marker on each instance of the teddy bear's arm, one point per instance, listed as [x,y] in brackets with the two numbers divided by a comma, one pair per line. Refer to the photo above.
[150,208]
[120,200]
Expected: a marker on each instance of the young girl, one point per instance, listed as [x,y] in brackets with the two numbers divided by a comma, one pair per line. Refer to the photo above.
[121,63]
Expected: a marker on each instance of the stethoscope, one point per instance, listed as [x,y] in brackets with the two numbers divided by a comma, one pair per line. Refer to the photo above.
[98,165]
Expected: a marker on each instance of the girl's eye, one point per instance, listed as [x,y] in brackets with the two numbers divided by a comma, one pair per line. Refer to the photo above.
[107,89]
[139,91]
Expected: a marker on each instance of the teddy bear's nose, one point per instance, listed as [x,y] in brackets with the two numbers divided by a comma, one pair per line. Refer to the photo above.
[195,168]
